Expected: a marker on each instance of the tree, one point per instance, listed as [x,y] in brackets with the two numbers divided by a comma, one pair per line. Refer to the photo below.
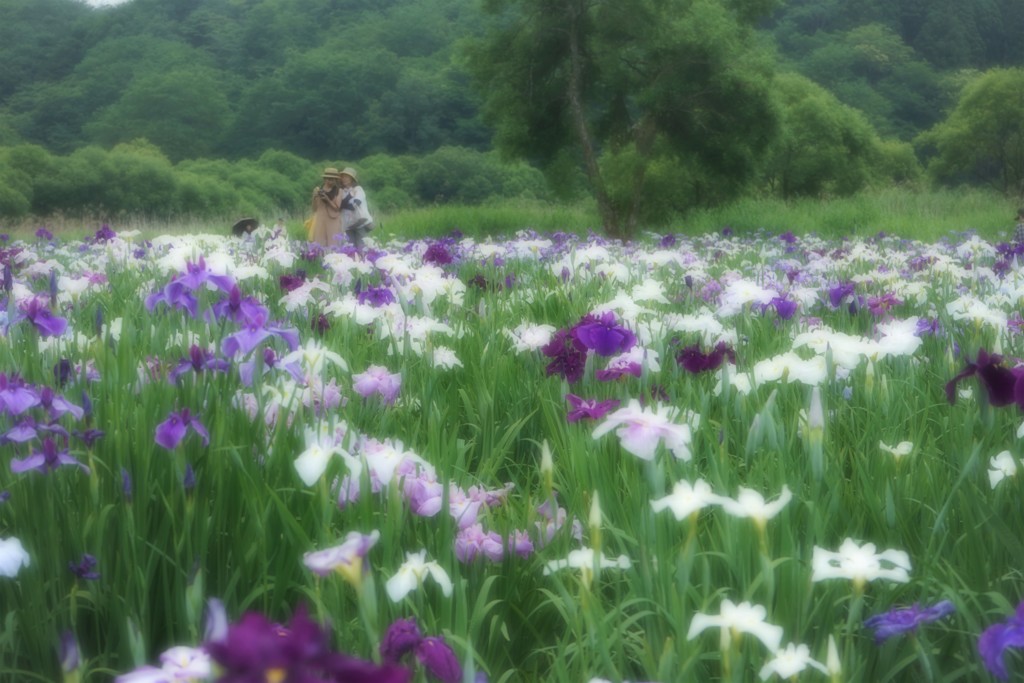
[982,140]
[824,146]
[183,112]
[610,78]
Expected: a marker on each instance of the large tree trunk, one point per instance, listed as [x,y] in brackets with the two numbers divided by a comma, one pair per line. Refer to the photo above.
[609,217]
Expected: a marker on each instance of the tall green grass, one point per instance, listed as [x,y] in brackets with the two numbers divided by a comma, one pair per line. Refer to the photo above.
[921,215]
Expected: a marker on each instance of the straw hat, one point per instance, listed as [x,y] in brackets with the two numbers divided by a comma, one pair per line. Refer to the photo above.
[350,172]
[331,172]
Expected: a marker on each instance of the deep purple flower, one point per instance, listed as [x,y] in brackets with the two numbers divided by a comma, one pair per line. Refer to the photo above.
[591,409]
[1003,385]
[439,660]
[376,296]
[996,638]
[906,619]
[84,568]
[667,241]
[695,361]
[292,281]
[784,307]
[171,431]
[299,653]
[37,312]
[438,254]
[88,436]
[401,638]
[320,325]
[46,460]
[603,335]
[44,234]
[62,372]
[104,234]
[568,359]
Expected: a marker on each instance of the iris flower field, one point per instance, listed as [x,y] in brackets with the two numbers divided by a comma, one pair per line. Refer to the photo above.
[544,457]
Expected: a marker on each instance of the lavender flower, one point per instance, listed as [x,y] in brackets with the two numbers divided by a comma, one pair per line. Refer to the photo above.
[171,431]
[906,620]
[46,460]
[996,638]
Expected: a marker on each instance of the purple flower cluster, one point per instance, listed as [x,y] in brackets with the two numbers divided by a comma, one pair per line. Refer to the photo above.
[1004,386]
[300,652]
[601,334]
[695,361]
[435,656]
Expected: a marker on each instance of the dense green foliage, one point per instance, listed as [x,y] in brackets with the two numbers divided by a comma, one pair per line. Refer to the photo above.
[183,99]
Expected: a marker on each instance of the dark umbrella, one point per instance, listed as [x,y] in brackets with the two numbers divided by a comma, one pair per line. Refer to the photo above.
[246,225]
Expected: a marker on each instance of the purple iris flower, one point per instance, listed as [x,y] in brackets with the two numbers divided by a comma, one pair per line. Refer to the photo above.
[438,254]
[56,405]
[695,361]
[401,638]
[22,432]
[880,305]
[44,234]
[89,436]
[104,234]
[290,281]
[439,660]
[1003,385]
[603,335]
[839,292]
[253,334]
[996,638]
[591,409]
[84,568]
[906,619]
[171,431]
[46,460]
[15,395]
[784,307]
[376,296]
[37,312]
[568,358]
[199,360]
[62,372]
[175,295]
[238,310]
[197,274]
[301,651]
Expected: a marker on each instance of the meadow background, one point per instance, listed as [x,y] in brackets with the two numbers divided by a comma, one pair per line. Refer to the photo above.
[839,399]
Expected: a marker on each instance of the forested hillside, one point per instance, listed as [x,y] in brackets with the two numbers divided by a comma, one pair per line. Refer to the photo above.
[196,84]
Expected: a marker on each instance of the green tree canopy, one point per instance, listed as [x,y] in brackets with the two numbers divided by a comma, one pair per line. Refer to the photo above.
[615,78]
[982,140]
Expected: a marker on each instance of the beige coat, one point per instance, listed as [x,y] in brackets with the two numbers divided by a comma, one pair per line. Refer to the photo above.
[326,218]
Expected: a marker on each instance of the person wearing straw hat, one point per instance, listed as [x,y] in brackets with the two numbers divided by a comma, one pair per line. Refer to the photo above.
[327,209]
[355,215]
